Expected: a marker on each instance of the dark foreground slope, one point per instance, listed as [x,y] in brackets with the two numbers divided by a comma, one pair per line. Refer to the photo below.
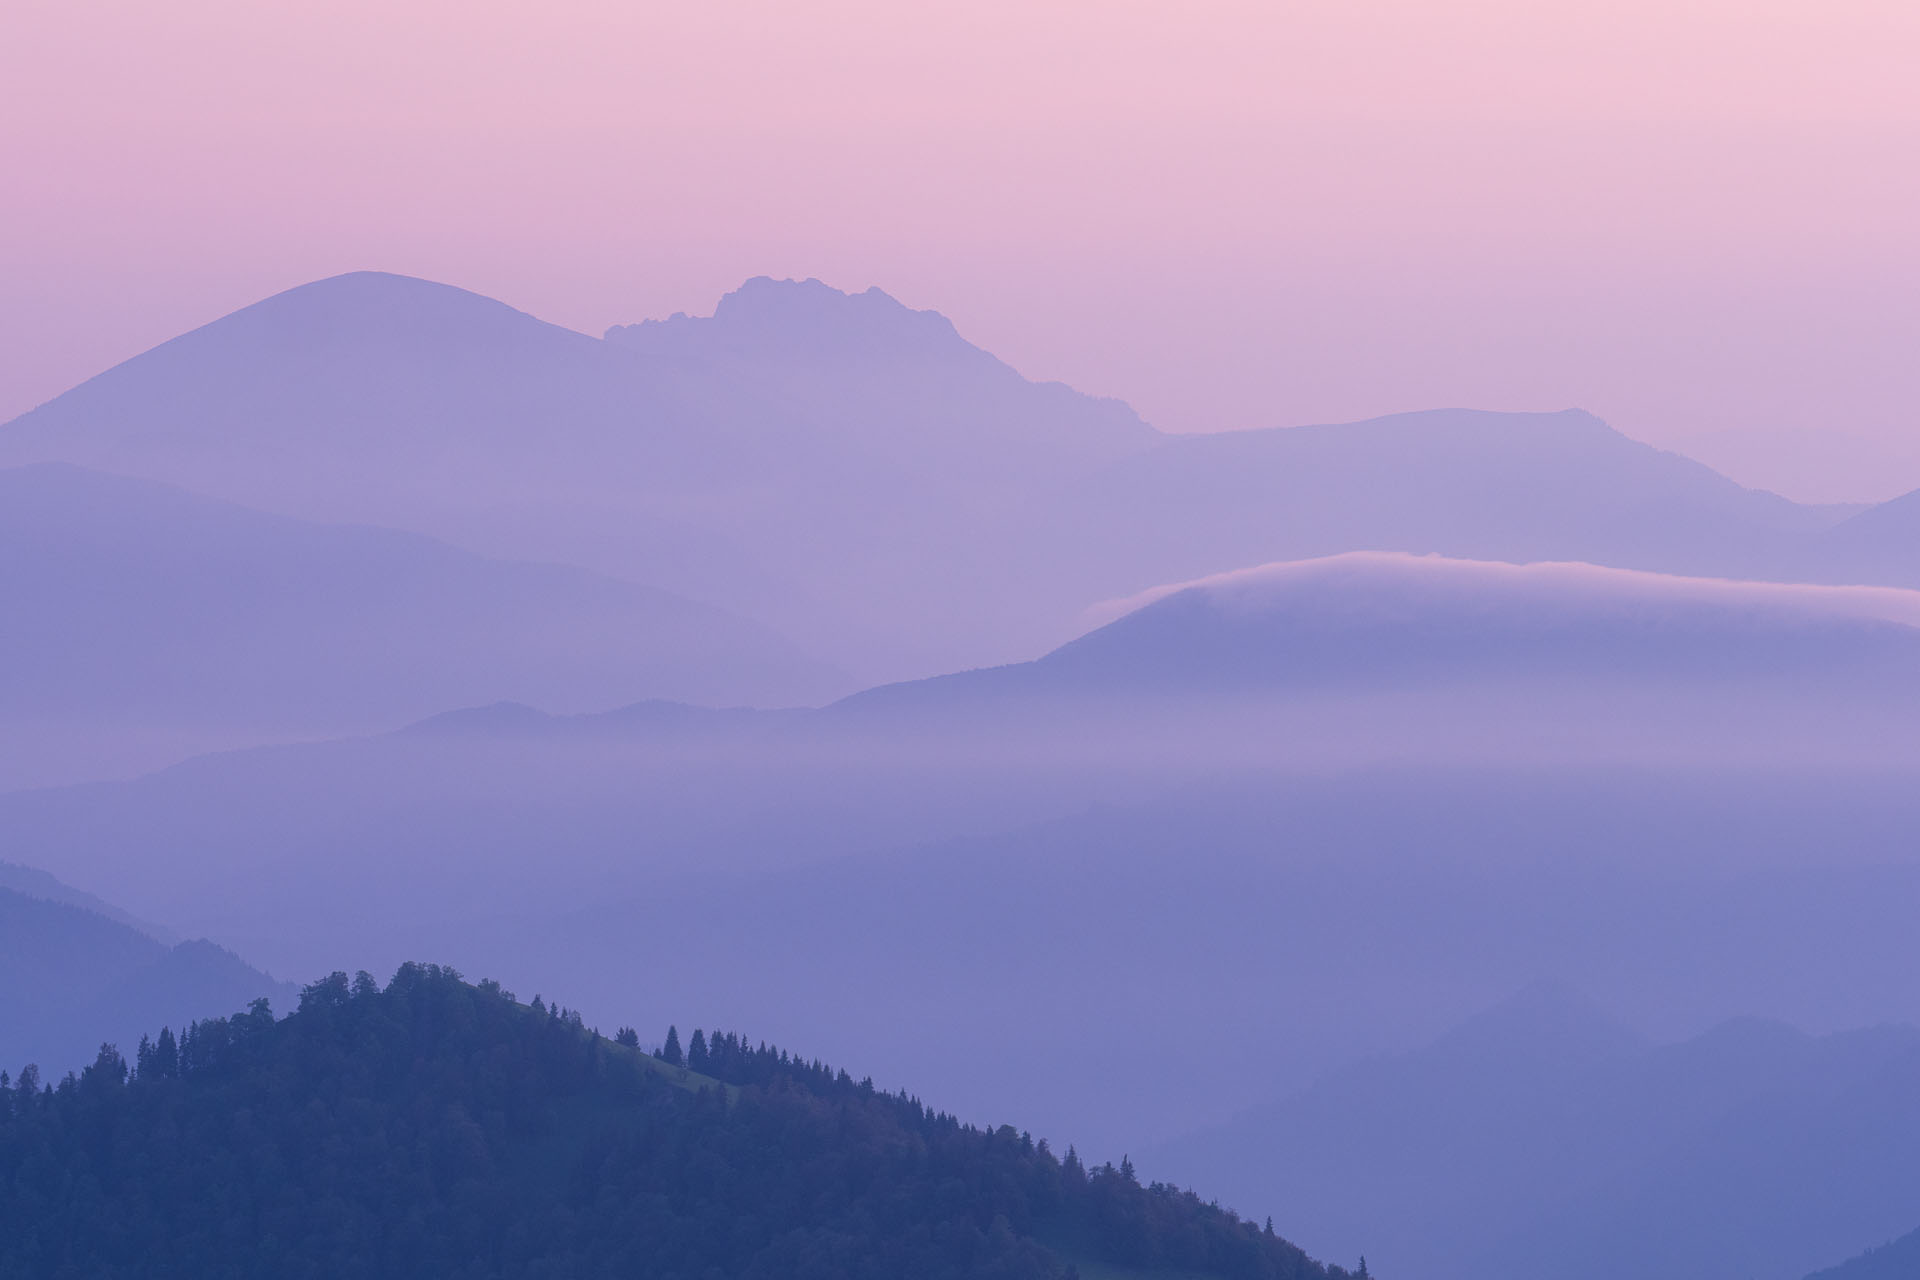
[1897,1261]
[437,1128]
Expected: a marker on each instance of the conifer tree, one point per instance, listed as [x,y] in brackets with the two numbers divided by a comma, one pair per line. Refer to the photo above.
[670,1051]
[166,1055]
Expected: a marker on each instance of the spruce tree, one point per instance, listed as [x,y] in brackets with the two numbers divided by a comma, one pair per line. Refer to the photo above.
[670,1051]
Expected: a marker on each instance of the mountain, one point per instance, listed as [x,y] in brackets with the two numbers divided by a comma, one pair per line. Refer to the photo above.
[847,469]
[77,977]
[1462,483]
[439,1128]
[1382,620]
[147,624]
[1352,657]
[1541,1139]
[899,382]
[1720,795]
[836,500]
[1880,544]
[1895,1261]
[35,883]
[1124,952]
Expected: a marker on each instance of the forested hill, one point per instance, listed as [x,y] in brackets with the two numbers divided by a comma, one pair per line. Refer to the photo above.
[436,1128]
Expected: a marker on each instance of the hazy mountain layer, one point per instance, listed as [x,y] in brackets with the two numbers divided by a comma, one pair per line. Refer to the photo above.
[1540,1138]
[146,624]
[853,471]
[1263,822]
[76,978]
[1372,656]
[1423,833]
[846,496]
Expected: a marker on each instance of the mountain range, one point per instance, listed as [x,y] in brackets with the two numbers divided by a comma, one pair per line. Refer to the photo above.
[808,662]
[856,475]
[80,972]
[148,623]
[1427,768]
[1542,1137]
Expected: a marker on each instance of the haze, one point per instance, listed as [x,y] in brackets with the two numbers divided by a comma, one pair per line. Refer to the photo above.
[1690,218]
[1321,597]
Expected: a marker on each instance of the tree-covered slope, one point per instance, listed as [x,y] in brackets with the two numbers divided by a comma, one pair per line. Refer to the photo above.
[438,1128]
[1899,1260]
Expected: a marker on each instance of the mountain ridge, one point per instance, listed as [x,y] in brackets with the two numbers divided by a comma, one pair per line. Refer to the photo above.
[79,976]
[173,623]
[903,515]
[1547,1151]
[732,1159]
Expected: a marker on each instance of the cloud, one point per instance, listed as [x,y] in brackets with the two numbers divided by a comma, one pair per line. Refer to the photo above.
[1391,583]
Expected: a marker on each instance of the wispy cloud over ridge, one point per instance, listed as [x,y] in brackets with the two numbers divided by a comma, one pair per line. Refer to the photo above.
[1401,583]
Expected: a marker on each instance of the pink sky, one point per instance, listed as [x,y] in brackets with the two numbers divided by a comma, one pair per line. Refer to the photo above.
[1694,217]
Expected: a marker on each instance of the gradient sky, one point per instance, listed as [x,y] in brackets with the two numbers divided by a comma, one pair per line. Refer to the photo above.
[1693,217]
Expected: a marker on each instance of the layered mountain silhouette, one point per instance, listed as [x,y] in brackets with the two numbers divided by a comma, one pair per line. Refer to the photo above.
[147,624]
[1381,620]
[77,977]
[1454,482]
[1502,697]
[35,883]
[899,383]
[1541,1137]
[851,470]
[835,498]
[1367,656]
[1415,779]
[1880,544]
[1356,661]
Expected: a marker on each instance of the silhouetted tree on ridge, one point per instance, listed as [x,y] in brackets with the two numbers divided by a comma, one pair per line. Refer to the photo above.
[435,1127]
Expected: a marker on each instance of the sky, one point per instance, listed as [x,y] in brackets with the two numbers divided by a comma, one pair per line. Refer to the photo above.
[1692,217]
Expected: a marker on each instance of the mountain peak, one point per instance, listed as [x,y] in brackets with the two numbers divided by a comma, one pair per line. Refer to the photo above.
[360,306]
[1547,1021]
[806,320]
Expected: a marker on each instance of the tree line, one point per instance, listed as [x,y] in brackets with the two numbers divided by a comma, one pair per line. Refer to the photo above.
[437,1127]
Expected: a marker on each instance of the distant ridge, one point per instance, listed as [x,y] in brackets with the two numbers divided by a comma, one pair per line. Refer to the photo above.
[852,471]
[1880,544]
[79,976]
[1540,1138]
[802,319]
[148,623]
[1376,622]
[33,883]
